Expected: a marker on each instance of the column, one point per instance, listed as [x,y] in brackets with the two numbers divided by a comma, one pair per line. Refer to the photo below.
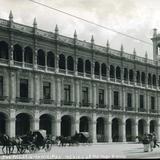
[57,131]
[137,100]
[58,92]
[106,96]
[11,124]
[147,127]
[77,93]
[147,102]
[11,55]
[110,97]
[158,103]
[122,75]
[6,84]
[123,98]
[92,69]
[135,129]
[94,96]
[100,73]
[77,122]
[31,87]
[90,95]
[53,89]
[93,128]
[45,61]
[108,130]
[13,87]
[75,66]
[123,130]
[66,65]
[57,63]
[37,89]
[35,59]
[35,121]
[84,68]
[108,76]
[73,92]
[23,57]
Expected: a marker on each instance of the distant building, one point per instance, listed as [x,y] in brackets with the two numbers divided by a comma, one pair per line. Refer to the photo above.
[65,85]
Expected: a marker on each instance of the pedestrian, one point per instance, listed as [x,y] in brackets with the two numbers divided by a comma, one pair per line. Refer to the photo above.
[155,140]
[151,142]
[145,141]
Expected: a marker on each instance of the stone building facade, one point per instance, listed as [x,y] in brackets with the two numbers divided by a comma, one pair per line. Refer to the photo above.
[64,85]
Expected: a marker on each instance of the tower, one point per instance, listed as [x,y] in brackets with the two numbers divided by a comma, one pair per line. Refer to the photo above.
[156,45]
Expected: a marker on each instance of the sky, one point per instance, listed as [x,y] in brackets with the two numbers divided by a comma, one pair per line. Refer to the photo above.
[136,18]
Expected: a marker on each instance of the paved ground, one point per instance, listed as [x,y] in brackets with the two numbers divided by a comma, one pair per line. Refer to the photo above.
[102,151]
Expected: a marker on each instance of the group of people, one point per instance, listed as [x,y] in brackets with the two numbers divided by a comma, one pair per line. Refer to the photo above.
[149,141]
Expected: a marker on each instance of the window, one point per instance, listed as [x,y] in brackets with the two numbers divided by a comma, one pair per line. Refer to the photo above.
[152,102]
[141,101]
[46,90]
[85,95]
[67,93]
[129,100]
[1,86]
[116,98]
[24,88]
[101,96]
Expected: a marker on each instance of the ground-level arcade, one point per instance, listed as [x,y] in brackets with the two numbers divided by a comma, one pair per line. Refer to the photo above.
[101,127]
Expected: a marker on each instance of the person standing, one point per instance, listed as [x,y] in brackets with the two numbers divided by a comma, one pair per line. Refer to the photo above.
[151,142]
[145,141]
[155,140]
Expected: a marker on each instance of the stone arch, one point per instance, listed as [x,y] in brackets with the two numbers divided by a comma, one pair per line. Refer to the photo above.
[4,50]
[154,80]
[141,127]
[116,123]
[23,123]
[66,125]
[17,53]
[112,71]
[88,66]
[149,79]
[131,75]
[50,59]
[80,67]
[46,123]
[118,72]
[125,74]
[103,69]
[143,77]
[28,55]
[153,126]
[138,77]
[3,122]
[41,57]
[129,129]
[100,129]
[62,62]
[70,63]
[96,69]
[84,124]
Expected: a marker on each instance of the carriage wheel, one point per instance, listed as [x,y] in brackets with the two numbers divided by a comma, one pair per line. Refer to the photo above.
[48,145]
[32,148]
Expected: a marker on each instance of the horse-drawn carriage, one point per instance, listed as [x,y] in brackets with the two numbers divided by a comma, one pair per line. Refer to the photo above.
[32,142]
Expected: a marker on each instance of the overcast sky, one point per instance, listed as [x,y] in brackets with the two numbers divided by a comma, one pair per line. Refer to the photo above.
[134,17]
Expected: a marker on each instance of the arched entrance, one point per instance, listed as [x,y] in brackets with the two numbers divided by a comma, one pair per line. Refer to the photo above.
[129,130]
[23,123]
[66,126]
[46,123]
[141,127]
[152,126]
[115,130]
[100,130]
[3,119]
[84,124]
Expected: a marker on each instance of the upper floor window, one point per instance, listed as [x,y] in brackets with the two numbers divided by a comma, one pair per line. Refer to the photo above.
[152,102]
[116,98]
[1,86]
[67,93]
[85,95]
[141,101]
[101,96]
[129,100]
[24,88]
[46,90]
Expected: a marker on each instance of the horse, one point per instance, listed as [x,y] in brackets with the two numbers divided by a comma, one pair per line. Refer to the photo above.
[7,144]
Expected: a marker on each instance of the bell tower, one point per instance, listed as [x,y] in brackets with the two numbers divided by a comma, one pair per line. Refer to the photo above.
[156,45]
